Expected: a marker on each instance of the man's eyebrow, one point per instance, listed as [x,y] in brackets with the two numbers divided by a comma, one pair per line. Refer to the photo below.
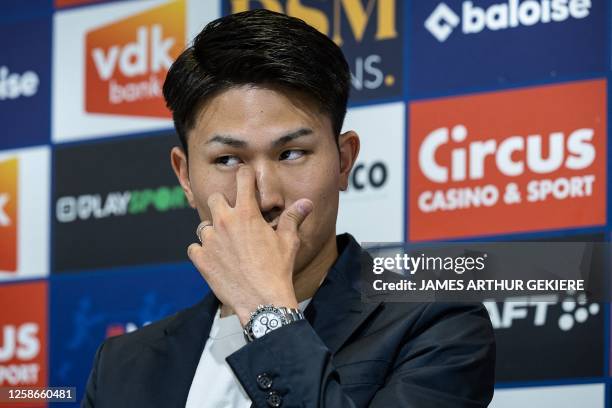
[238,143]
[227,140]
[291,136]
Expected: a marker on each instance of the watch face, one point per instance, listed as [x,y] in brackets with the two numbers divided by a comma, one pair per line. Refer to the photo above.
[266,322]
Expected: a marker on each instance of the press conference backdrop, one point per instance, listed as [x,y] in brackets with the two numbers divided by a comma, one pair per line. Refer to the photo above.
[93,224]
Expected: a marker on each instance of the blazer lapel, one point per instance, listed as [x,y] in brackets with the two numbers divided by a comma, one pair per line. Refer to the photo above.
[336,310]
[179,352]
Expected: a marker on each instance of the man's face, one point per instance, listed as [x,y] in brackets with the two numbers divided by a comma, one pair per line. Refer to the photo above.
[291,147]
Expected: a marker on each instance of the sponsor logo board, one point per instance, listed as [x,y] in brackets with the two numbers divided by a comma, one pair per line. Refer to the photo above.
[368,31]
[24,213]
[110,62]
[25,82]
[523,40]
[126,209]
[507,162]
[371,209]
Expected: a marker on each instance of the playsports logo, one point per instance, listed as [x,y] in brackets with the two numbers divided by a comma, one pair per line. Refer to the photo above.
[127,61]
[511,14]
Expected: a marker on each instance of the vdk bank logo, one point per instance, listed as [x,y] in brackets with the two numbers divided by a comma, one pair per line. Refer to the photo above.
[500,163]
[127,61]
[368,32]
[501,16]
[8,214]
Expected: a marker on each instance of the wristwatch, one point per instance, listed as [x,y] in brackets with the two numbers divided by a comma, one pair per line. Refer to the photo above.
[267,318]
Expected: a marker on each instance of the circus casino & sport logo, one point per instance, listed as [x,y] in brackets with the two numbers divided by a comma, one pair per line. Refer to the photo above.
[23,335]
[506,162]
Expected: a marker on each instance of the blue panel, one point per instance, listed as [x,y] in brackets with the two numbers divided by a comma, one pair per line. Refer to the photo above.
[86,308]
[473,44]
[25,82]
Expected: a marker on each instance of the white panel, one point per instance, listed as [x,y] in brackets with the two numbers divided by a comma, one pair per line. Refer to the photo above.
[566,396]
[33,212]
[375,213]
[69,120]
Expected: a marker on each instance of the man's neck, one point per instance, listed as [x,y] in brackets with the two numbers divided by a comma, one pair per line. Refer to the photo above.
[307,280]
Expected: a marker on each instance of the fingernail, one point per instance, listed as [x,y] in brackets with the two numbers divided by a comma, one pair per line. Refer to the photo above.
[304,207]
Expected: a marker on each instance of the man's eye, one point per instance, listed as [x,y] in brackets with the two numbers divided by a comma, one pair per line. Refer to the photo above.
[292,154]
[227,160]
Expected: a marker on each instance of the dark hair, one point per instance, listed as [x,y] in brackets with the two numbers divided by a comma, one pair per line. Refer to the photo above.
[257,47]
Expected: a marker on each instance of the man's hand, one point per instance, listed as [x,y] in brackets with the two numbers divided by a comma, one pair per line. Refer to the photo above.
[242,258]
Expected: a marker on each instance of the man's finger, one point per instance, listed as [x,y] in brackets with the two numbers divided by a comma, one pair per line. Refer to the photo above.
[201,228]
[245,187]
[217,205]
[292,217]
[193,250]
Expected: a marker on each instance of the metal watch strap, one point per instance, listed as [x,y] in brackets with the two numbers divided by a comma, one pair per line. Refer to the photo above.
[291,314]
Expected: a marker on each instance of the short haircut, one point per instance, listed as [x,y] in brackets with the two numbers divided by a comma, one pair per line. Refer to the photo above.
[257,47]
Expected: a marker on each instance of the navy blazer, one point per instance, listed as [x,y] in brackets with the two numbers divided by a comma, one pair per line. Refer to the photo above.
[346,354]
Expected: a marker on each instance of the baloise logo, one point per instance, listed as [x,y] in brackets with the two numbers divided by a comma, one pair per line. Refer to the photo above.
[14,85]
[501,16]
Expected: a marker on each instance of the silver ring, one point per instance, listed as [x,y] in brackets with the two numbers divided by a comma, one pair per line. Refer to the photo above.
[201,228]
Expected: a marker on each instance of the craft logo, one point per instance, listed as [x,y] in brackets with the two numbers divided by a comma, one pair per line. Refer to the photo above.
[548,326]
[501,16]
[127,62]
[119,203]
[14,85]
[22,335]
[368,31]
[503,162]
[537,310]
[8,214]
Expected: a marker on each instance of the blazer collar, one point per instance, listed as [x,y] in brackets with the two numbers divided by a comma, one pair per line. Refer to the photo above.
[334,312]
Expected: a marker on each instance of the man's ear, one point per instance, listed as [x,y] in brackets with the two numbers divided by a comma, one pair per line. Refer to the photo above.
[348,143]
[180,167]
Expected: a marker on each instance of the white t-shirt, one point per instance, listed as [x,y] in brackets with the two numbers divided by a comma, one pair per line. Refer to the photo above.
[214,383]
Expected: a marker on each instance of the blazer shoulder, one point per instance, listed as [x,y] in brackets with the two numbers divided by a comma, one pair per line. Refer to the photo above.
[150,332]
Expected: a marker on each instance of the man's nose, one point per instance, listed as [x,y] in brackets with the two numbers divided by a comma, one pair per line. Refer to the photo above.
[269,189]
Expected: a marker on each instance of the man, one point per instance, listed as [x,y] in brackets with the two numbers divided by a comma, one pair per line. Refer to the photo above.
[258,102]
